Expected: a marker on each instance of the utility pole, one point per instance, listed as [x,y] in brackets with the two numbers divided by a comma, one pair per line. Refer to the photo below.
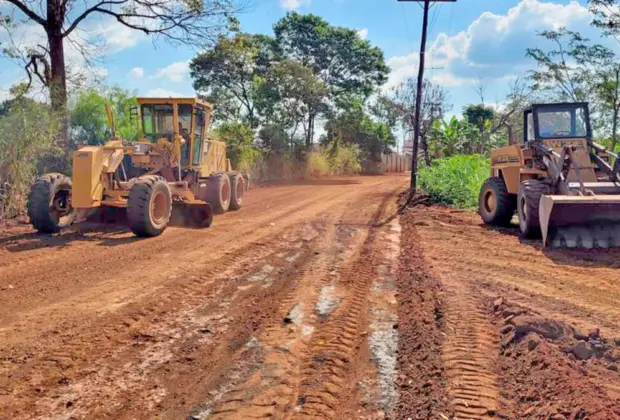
[418,99]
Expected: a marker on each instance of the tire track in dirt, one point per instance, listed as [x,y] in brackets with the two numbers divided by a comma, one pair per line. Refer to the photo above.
[273,389]
[141,351]
[336,342]
[469,354]
[193,260]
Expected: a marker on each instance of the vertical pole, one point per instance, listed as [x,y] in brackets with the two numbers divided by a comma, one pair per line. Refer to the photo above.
[418,105]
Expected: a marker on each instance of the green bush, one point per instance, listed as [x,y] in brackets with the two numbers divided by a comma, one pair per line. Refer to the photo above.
[455,180]
[240,140]
[27,130]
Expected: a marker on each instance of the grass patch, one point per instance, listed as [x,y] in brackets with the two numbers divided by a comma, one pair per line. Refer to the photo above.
[455,180]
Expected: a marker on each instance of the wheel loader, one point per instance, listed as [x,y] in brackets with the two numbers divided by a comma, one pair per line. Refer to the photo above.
[563,186]
[171,169]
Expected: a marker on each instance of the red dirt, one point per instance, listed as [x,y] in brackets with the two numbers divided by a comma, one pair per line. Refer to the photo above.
[312,301]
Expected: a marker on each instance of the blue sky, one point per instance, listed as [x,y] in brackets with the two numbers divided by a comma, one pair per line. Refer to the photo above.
[472,40]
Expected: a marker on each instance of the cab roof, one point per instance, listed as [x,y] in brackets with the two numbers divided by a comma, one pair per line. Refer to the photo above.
[171,101]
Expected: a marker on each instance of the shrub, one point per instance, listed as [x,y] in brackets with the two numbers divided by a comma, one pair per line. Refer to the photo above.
[240,139]
[455,180]
[317,164]
[27,131]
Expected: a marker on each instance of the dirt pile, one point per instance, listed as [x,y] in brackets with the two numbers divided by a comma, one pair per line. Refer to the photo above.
[421,381]
[551,370]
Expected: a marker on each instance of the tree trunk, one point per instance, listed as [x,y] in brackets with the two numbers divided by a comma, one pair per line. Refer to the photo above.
[58,80]
[310,131]
[614,130]
[427,157]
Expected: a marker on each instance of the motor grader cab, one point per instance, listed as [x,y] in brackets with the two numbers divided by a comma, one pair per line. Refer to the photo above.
[172,168]
[561,184]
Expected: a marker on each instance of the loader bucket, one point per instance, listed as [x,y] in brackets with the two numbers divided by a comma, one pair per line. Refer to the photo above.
[568,221]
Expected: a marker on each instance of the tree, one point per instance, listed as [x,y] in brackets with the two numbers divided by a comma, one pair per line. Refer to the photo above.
[240,139]
[345,63]
[434,105]
[189,22]
[559,73]
[228,73]
[606,16]
[354,126]
[452,137]
[88,118]
[292,96]
[579,71]
[480,116]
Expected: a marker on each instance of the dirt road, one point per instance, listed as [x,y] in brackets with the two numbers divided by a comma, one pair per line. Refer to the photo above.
[277,309]
[309,302]
[504,327]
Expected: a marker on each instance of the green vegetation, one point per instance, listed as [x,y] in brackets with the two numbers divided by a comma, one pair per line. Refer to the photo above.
[455,180]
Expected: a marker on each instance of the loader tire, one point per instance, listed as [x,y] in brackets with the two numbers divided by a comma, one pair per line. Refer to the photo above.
[237,191]
[49,203]
[149,206]
[218,193]
[496,205]
[528,202]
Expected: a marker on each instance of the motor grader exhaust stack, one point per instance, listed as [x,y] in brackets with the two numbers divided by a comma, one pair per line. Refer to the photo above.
[560,183]
[172,168]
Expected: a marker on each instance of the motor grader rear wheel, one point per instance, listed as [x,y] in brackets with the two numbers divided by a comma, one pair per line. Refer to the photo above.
[219,193]
[149,206]
[495,205]
[49,203]
[528,202]
[237,191]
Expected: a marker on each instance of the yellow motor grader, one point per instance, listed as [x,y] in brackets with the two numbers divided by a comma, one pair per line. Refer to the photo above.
[172,167]
[562,185]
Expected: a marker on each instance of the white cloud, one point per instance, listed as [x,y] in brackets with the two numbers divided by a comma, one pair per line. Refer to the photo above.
[164,93]
[363,33]
[137,72]
[176,72]
[493,46]
[294,4]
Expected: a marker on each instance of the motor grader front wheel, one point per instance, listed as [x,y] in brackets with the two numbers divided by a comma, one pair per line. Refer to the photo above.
[49,203]
[149,206]
[528,203]
[496,205]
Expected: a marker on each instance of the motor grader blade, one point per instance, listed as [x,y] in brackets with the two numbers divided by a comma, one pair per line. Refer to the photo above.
[568,221]
[197,213]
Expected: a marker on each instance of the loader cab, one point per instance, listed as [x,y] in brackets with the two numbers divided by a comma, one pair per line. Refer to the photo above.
[185,117]
[552,123]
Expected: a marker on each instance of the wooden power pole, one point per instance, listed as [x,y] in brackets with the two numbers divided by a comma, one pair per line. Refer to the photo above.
[418,99]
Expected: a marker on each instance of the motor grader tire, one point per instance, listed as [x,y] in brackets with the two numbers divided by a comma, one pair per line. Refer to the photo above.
[496,205]
[528,202]
[218,193]
[149,206]
[237,191]
[49,203]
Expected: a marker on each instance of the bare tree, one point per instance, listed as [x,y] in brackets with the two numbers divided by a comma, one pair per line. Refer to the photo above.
[194,22]
[434,105]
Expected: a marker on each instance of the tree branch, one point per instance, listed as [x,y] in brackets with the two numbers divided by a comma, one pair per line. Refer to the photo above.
[87,12]
[32,15]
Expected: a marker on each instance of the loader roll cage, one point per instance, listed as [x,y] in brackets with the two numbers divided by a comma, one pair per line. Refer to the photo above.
[557,121]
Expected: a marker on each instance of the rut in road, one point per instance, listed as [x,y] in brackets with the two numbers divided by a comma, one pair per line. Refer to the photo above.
[322,319]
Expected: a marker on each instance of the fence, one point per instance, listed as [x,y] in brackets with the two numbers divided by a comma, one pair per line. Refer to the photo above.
[396,162]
